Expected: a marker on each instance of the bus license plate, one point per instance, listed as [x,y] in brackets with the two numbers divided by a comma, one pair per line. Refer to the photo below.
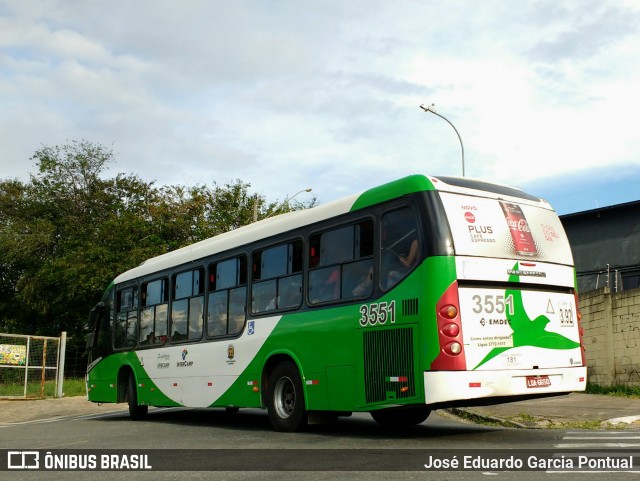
[538,381]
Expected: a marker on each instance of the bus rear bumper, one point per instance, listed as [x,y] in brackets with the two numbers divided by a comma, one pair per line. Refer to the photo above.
[446,386]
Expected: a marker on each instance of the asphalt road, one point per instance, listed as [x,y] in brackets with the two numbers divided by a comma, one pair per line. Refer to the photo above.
[250,440]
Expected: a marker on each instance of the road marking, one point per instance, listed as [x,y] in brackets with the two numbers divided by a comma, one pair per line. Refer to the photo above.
[100,415]
[599,439]
[37,421]
[596,445]
[597,433]
[82,417]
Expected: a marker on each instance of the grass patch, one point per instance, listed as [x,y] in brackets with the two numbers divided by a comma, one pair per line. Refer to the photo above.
[33,389]
[587,425]
[74,387]
[618,391]
[71,387]
[526,417]
[478,419]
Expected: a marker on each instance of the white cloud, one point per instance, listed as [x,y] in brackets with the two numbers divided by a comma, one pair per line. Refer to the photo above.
[286,95]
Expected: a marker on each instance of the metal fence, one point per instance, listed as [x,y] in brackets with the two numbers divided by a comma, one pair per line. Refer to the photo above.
[75,364]
[31,366]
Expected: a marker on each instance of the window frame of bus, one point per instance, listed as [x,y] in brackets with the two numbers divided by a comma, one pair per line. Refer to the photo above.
[118,312]
[241,276]
[415,214]
[158,338]
[338,265]
[277,277]
[188,298]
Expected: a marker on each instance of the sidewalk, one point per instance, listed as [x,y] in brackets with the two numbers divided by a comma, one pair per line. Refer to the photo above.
[574,410]
[26,410]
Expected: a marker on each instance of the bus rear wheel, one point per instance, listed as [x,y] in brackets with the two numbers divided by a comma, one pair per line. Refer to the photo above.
[402,417]
[285,398]
[136,412]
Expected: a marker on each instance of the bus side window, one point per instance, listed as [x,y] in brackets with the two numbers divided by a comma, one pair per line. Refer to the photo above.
[187,305]
[126,318]
[226,311]
[153,313]
[237,309]
[400,251]
[341,263]
[277,278]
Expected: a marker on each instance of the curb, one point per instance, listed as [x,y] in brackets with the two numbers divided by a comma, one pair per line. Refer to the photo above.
[479,418]
[629,423]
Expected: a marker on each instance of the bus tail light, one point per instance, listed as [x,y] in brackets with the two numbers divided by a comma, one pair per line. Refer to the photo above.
[451,330]
[451,356]
[453,348]
[449,312]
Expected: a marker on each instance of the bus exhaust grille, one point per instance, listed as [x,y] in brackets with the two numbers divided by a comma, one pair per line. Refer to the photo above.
[410,307]
[388,364]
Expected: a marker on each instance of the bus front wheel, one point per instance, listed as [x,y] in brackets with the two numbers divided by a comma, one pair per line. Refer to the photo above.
[136,412]
[285,398]
[403,417]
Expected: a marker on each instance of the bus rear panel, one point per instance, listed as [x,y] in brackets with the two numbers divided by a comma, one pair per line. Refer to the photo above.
[509,324]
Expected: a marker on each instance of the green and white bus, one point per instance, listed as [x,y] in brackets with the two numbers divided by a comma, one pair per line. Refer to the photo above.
[423,293]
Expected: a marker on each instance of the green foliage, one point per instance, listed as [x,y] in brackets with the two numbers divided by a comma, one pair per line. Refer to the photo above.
[619,391]
[36,389]
[69,231]
[74,387]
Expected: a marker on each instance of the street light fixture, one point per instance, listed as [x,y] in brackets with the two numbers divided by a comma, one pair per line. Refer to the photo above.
[431,108]
[288,199]
[286,203]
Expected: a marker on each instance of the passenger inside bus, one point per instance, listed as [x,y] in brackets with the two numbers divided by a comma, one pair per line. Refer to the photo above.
[365,284]
[400,247]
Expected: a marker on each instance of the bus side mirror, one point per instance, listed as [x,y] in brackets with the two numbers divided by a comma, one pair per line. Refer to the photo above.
[91,340]
[94,325]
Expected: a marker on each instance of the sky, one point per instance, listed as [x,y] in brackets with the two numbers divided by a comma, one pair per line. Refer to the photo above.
[288,95]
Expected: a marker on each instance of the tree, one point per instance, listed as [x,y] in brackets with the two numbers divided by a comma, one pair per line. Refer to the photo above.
[66,234]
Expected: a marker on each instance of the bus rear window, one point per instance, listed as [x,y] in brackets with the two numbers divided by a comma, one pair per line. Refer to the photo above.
[486,227]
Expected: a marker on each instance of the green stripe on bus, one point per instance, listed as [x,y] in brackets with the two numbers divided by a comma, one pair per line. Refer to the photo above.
[392,190]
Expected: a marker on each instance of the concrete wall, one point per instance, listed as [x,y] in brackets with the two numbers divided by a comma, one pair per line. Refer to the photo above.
[611,324]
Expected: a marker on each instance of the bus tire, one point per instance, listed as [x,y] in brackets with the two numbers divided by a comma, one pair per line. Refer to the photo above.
[285,398]
[403,417]
[136,412]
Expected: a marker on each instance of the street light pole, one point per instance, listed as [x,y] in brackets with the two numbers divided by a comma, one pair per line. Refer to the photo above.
[284,203]
[431,109]
[289,199]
